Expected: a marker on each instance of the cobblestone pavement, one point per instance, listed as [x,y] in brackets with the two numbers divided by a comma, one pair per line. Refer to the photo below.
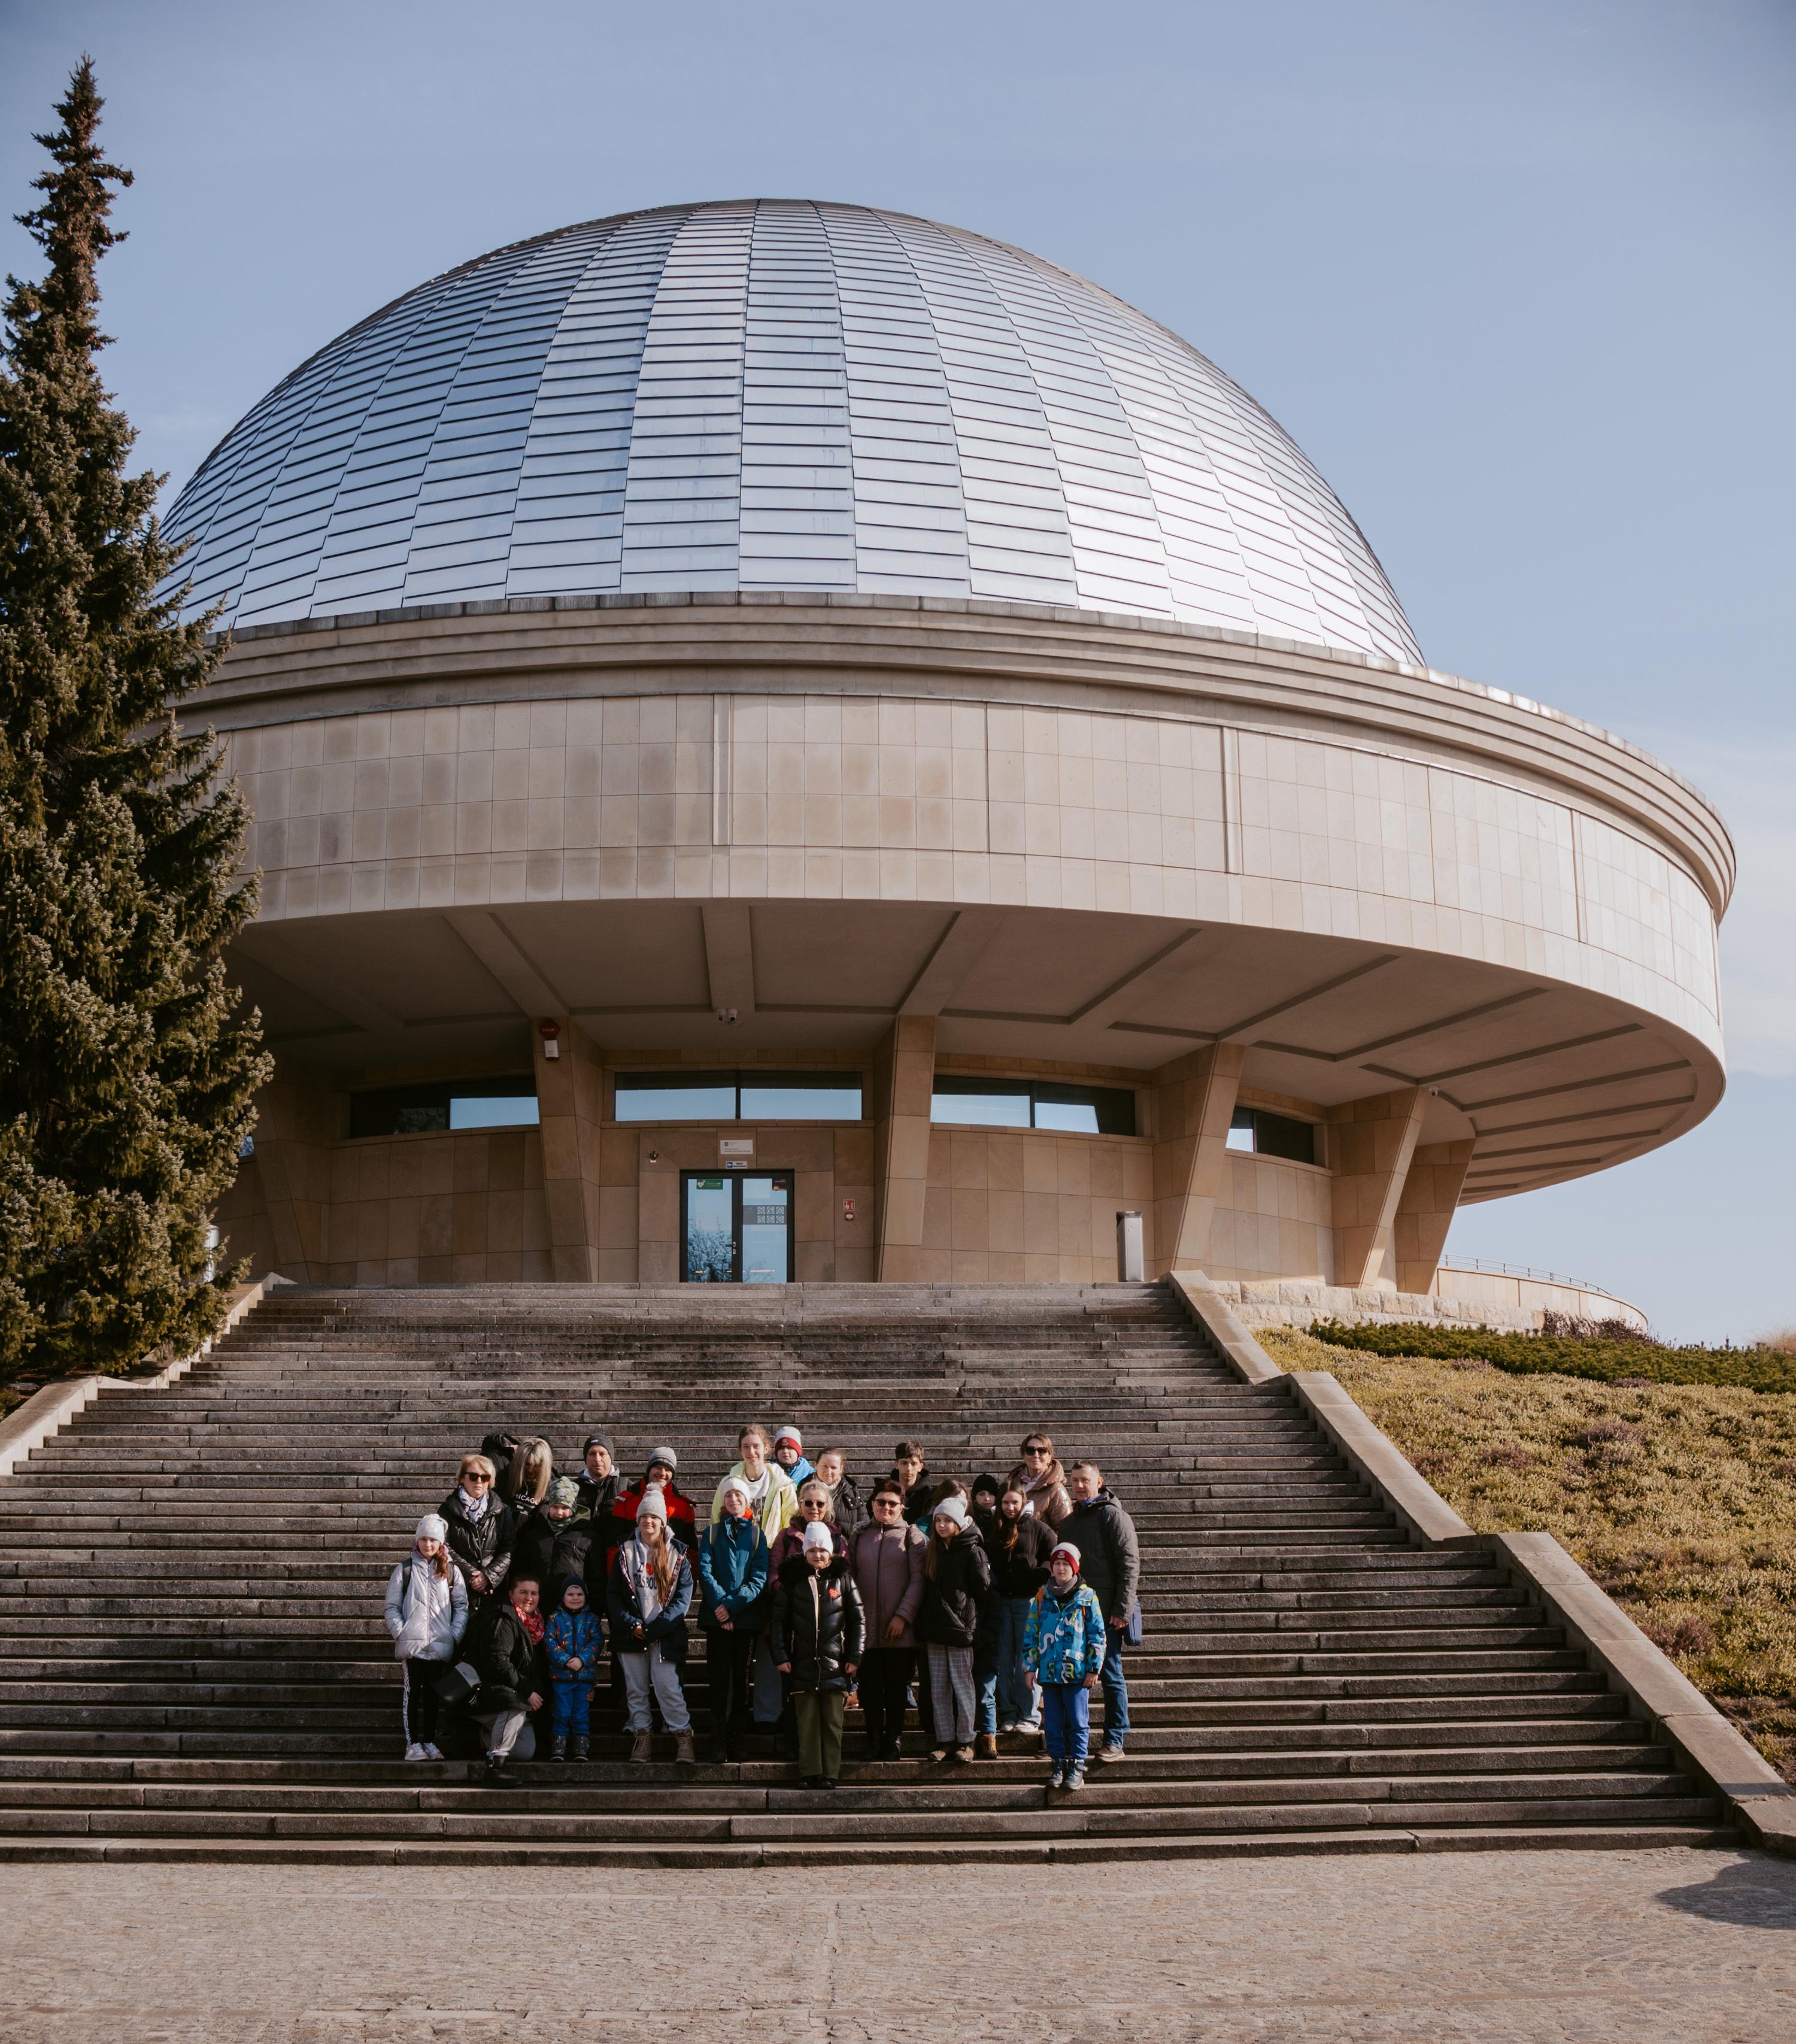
[1652,1947]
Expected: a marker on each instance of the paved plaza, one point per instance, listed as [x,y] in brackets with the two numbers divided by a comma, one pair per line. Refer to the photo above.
[1685,1946]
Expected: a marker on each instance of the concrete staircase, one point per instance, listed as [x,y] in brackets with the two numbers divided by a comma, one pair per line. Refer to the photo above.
[192,1663]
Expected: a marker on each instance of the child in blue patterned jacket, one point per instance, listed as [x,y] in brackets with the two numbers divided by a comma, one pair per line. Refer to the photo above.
[571,1639]
[1062,1653]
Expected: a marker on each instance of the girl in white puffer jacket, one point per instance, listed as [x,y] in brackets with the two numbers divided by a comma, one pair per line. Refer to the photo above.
[426,1613]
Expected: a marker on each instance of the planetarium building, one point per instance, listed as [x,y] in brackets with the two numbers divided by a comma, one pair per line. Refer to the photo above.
[789,741]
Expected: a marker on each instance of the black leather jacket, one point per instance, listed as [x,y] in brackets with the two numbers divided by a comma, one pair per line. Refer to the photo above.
[822,1633]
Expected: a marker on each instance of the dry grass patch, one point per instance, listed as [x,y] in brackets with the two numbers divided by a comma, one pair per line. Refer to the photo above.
[1680,1500]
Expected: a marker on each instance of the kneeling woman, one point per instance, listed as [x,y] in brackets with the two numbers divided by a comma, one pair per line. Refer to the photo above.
[650,1593]
[819,1631]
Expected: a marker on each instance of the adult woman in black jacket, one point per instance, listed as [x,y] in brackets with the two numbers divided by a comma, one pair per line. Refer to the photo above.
[956,1580]
[819,1630]
[482,1530]
[503,1644]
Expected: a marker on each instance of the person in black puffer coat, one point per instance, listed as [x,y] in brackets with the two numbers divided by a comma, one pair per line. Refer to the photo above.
[956,1580]
[482,1530]
[503,1644]
[819,1631]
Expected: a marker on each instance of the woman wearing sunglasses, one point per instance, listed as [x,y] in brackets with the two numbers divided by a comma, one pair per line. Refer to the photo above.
[1043,1480]
[482,1528]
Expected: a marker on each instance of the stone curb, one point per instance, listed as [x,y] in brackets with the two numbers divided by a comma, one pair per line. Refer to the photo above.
[1377,1459]
[1761,1801]
[1215,1316]
[51,1409]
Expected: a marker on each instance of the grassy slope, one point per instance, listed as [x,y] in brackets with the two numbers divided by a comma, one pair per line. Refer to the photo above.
[1679,1498]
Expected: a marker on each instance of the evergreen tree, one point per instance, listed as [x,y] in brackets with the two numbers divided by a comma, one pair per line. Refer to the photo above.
[126,1068]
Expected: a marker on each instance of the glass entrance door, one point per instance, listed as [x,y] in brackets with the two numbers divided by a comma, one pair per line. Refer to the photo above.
[736,1227]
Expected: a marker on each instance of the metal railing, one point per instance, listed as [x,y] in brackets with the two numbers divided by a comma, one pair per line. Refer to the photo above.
[1521,1270]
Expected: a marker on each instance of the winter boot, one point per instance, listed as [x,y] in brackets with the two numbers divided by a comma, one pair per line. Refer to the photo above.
[558,1747]
[578,1746]
[988,1746]
[683,1754]
[641,1746]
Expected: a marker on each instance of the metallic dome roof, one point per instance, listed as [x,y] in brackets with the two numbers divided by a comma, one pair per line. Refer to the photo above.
[775,394]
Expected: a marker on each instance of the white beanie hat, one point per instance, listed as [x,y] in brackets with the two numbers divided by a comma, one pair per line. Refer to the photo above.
[818,1534]
[432,1527]
[1066,1547]
[735,1483]
[653,1501]
[949,1507]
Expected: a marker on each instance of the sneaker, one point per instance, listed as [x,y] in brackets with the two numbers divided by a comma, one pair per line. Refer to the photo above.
[432,1751]
[1107,1753]
[1006,1729]
[939,1754]
[1076,1778]
[1056,1777]
[414,1751]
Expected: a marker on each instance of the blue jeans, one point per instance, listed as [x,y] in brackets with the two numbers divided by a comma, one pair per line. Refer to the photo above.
[1115,1688]
[1066,1720]
[985,1682]
[1014,1700]
[570,1708]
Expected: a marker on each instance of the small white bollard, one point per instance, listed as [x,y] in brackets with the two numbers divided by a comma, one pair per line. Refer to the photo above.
[1130,1265]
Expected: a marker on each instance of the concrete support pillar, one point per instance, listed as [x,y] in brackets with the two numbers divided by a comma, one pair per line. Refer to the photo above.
[1431,1192]
[570,1100]
[1371,1145]
[296,1124]
[904,1079]
[1194,1100]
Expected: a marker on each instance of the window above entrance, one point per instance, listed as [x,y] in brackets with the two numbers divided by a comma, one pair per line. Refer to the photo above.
[1076,1110]
[745,1096]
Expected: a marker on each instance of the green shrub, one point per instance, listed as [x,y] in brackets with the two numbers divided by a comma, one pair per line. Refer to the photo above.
[1606,1361]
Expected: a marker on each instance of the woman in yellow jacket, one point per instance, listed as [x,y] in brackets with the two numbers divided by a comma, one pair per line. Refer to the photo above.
[773,1497]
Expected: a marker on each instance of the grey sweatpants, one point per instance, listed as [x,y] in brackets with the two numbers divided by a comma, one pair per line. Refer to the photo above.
[951,1694]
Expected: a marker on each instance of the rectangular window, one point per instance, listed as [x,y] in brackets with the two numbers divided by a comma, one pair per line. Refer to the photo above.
[1024,1104]
[1273,1135]
[747,1096]
[445,1104]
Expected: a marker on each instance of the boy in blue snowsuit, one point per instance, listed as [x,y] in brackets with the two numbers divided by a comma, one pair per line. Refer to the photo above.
[571,1639]
[1063,1644]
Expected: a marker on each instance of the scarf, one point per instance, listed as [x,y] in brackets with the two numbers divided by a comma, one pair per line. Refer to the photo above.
[1060,1595]
[474,1507]
[535,1624]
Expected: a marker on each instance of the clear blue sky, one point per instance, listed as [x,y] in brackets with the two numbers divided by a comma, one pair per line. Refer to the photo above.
[1518,276]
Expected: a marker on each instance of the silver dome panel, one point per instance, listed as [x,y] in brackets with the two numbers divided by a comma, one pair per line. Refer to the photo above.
[775,394]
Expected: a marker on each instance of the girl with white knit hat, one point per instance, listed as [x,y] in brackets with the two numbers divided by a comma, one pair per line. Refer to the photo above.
[426,1613]
[650,1593]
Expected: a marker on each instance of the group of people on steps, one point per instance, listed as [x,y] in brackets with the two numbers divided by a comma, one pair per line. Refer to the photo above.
[1003,1605]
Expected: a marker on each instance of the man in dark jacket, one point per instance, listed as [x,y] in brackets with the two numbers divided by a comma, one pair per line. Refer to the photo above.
[514,1675]
[598,1482]
[1111,1566]
[912,1472]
